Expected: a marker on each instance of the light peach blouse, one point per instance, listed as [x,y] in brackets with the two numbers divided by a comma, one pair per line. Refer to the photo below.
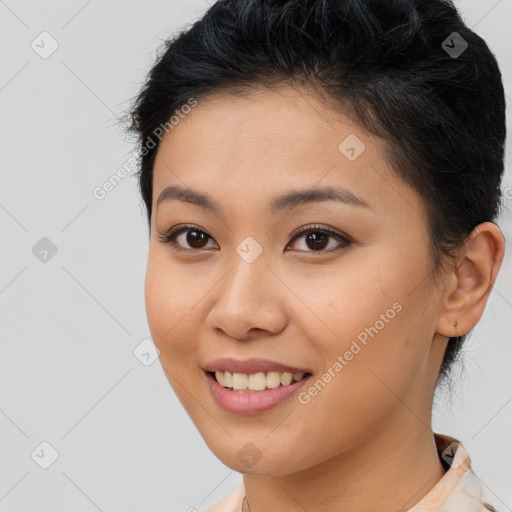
[459,490]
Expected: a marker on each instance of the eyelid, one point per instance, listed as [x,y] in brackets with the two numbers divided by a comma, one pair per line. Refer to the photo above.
[181,228]
[341,238]
[319,227]
[178,230]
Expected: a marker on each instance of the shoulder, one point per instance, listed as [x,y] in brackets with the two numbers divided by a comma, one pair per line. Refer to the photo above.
[232,502]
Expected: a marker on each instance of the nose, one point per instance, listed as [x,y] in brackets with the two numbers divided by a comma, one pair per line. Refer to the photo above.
[249,302]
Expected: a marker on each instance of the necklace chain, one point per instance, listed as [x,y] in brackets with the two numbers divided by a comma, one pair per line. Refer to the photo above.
[246,501]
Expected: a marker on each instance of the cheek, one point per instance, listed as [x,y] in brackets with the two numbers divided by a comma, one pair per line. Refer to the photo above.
[371,333]
[169,309]
[171,322]
[159,298]
[353,301]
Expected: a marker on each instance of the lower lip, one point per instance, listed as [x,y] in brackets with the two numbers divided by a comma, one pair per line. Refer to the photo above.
[240,402]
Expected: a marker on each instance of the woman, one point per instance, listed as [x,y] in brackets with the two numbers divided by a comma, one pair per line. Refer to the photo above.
[321,181]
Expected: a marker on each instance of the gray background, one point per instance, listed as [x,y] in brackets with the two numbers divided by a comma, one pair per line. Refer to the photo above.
[69,326]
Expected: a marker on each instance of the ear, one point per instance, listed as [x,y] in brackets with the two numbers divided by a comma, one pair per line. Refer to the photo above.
[470,283]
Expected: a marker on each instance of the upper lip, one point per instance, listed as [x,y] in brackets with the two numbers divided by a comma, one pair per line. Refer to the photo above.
[249,366]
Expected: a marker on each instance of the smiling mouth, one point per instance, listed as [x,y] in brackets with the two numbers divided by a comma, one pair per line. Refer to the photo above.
[257,382]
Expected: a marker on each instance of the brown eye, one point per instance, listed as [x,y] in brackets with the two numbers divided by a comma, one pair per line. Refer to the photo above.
[187,238]
[316,239]
[196,239]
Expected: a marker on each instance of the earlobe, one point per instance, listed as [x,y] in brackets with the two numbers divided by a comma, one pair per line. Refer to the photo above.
[471,281]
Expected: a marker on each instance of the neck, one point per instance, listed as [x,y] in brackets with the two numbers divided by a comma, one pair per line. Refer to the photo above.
[389,473]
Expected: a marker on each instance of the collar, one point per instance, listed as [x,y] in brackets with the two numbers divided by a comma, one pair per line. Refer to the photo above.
[459,490]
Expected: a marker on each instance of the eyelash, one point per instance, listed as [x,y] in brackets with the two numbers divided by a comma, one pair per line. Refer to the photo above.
[169,238]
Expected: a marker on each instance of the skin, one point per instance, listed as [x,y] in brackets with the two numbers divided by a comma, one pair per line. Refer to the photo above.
[369,427]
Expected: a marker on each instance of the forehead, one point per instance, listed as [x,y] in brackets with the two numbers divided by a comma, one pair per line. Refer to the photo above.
[268,142]
[272,124]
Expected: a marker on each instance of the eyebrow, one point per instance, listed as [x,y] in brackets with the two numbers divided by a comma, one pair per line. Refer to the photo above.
[278,204]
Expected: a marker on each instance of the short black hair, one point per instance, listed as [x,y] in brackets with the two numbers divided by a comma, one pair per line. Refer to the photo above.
[399,68]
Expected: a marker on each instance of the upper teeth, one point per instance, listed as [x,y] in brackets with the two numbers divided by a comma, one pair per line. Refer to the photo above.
[256,381]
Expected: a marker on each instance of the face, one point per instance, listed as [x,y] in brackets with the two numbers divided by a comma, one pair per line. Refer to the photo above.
[348,301]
